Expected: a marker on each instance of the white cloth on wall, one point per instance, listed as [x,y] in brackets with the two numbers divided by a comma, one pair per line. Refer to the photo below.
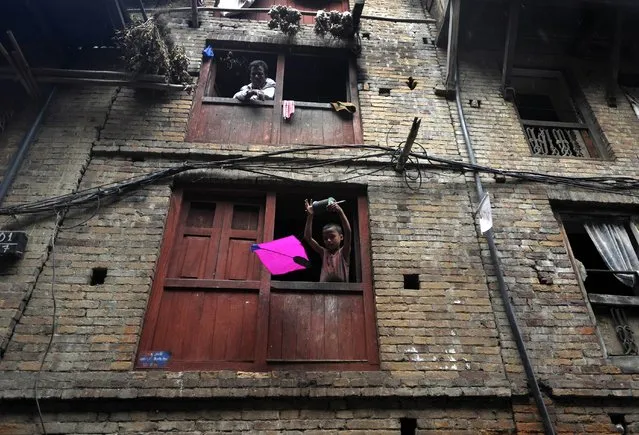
[239,4]
[615,247]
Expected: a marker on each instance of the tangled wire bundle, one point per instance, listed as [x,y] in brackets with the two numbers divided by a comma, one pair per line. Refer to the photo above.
[286,19]
[149,48]
[337,24]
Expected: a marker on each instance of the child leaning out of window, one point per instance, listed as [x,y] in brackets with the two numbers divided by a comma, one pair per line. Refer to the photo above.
[335,259]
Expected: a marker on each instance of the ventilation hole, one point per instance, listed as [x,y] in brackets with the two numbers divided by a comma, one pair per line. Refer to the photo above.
[425,40]
[619,420]
[408,426]
[411,282]
[385,92]
[137,158]
[366,35]
[98,274]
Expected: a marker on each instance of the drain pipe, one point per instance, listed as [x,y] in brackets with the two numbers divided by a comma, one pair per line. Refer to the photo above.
[490,238]
[23,148]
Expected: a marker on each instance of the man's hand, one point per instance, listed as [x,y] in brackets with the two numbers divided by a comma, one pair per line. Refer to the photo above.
[308,207]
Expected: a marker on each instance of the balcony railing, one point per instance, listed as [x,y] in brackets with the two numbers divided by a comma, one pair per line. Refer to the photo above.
[562,139]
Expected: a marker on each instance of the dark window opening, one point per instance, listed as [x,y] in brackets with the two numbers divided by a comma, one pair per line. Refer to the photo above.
[98,275]
[411,281]
[232,70]
[408,426]
[536,107]
[619,420]
[315,79]
[290,219]
[584,250]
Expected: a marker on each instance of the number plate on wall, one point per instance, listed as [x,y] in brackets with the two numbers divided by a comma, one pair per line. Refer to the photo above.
[12,243]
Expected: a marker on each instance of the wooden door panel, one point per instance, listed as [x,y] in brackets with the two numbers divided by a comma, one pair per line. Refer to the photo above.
[192,262]
[240,264]
[316,327]
[207,326]
[234,123]
[316,126]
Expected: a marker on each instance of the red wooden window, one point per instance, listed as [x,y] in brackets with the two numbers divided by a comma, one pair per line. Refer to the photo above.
[312,82]
[213,306]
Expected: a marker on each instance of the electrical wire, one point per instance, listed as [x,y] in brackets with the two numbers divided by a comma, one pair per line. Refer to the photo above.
[58,221]
[272,164]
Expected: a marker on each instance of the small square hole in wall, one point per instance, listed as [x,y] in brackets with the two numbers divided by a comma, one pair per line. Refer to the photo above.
[619,420]
[98,275]
[366,35]
[411,281]
[408,426]
[384,92]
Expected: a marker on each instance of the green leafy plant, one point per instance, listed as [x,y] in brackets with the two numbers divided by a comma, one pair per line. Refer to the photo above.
[284,18]
[149,48]
[335,23]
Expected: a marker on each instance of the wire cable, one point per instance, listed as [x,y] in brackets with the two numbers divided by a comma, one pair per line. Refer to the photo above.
[58,221]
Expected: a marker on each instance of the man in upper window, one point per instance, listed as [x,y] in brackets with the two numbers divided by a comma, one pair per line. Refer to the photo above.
[261,88]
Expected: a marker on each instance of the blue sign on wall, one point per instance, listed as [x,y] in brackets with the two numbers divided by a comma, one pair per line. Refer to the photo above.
[154,359]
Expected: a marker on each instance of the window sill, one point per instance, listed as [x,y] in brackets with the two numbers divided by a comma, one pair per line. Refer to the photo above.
[614,300]
[234,102]
[349,287]
[627,364]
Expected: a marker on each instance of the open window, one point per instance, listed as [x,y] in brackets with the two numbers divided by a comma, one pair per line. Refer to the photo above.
[214,306]
[553,119]
[308,83]
[605,253]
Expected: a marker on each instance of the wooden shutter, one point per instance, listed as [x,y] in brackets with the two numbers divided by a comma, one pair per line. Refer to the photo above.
[213,306]
[204,308]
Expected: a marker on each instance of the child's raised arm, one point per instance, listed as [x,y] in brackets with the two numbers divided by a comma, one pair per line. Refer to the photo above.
[346,229]
[308,228]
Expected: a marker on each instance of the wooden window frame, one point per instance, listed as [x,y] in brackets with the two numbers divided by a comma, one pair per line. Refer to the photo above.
[595,150]
[597,301]
[263,287]
[208,74]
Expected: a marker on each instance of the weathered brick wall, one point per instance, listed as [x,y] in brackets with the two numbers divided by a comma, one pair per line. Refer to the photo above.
[448,339]
[274,417]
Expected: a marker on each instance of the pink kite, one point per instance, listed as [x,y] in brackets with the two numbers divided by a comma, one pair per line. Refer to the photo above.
[282,255]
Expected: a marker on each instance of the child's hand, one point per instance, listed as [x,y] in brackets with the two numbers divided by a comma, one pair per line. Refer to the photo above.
[334,208]
[308,207]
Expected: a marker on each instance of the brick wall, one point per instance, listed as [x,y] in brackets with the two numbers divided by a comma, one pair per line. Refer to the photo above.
[445,349]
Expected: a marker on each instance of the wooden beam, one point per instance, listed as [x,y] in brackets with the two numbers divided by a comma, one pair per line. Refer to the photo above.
[453,42]
[143,11]
[194,17]
[17,71]
[614,300]
[412,135]
[357,14]
[615,59]
[120,13]
[442,35]
[22,63]
[509,50]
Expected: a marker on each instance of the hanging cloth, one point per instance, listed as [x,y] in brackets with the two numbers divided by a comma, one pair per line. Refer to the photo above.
[288,108]
[615,247]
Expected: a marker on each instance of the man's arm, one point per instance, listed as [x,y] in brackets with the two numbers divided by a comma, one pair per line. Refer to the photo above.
[346,229]
[308,229]
[243,94]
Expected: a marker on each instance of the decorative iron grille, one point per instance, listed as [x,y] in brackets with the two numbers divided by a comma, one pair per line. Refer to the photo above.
[556,140]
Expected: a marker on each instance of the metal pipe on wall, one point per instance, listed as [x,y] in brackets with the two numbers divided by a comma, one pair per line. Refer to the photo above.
[503,291]
[23,148]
